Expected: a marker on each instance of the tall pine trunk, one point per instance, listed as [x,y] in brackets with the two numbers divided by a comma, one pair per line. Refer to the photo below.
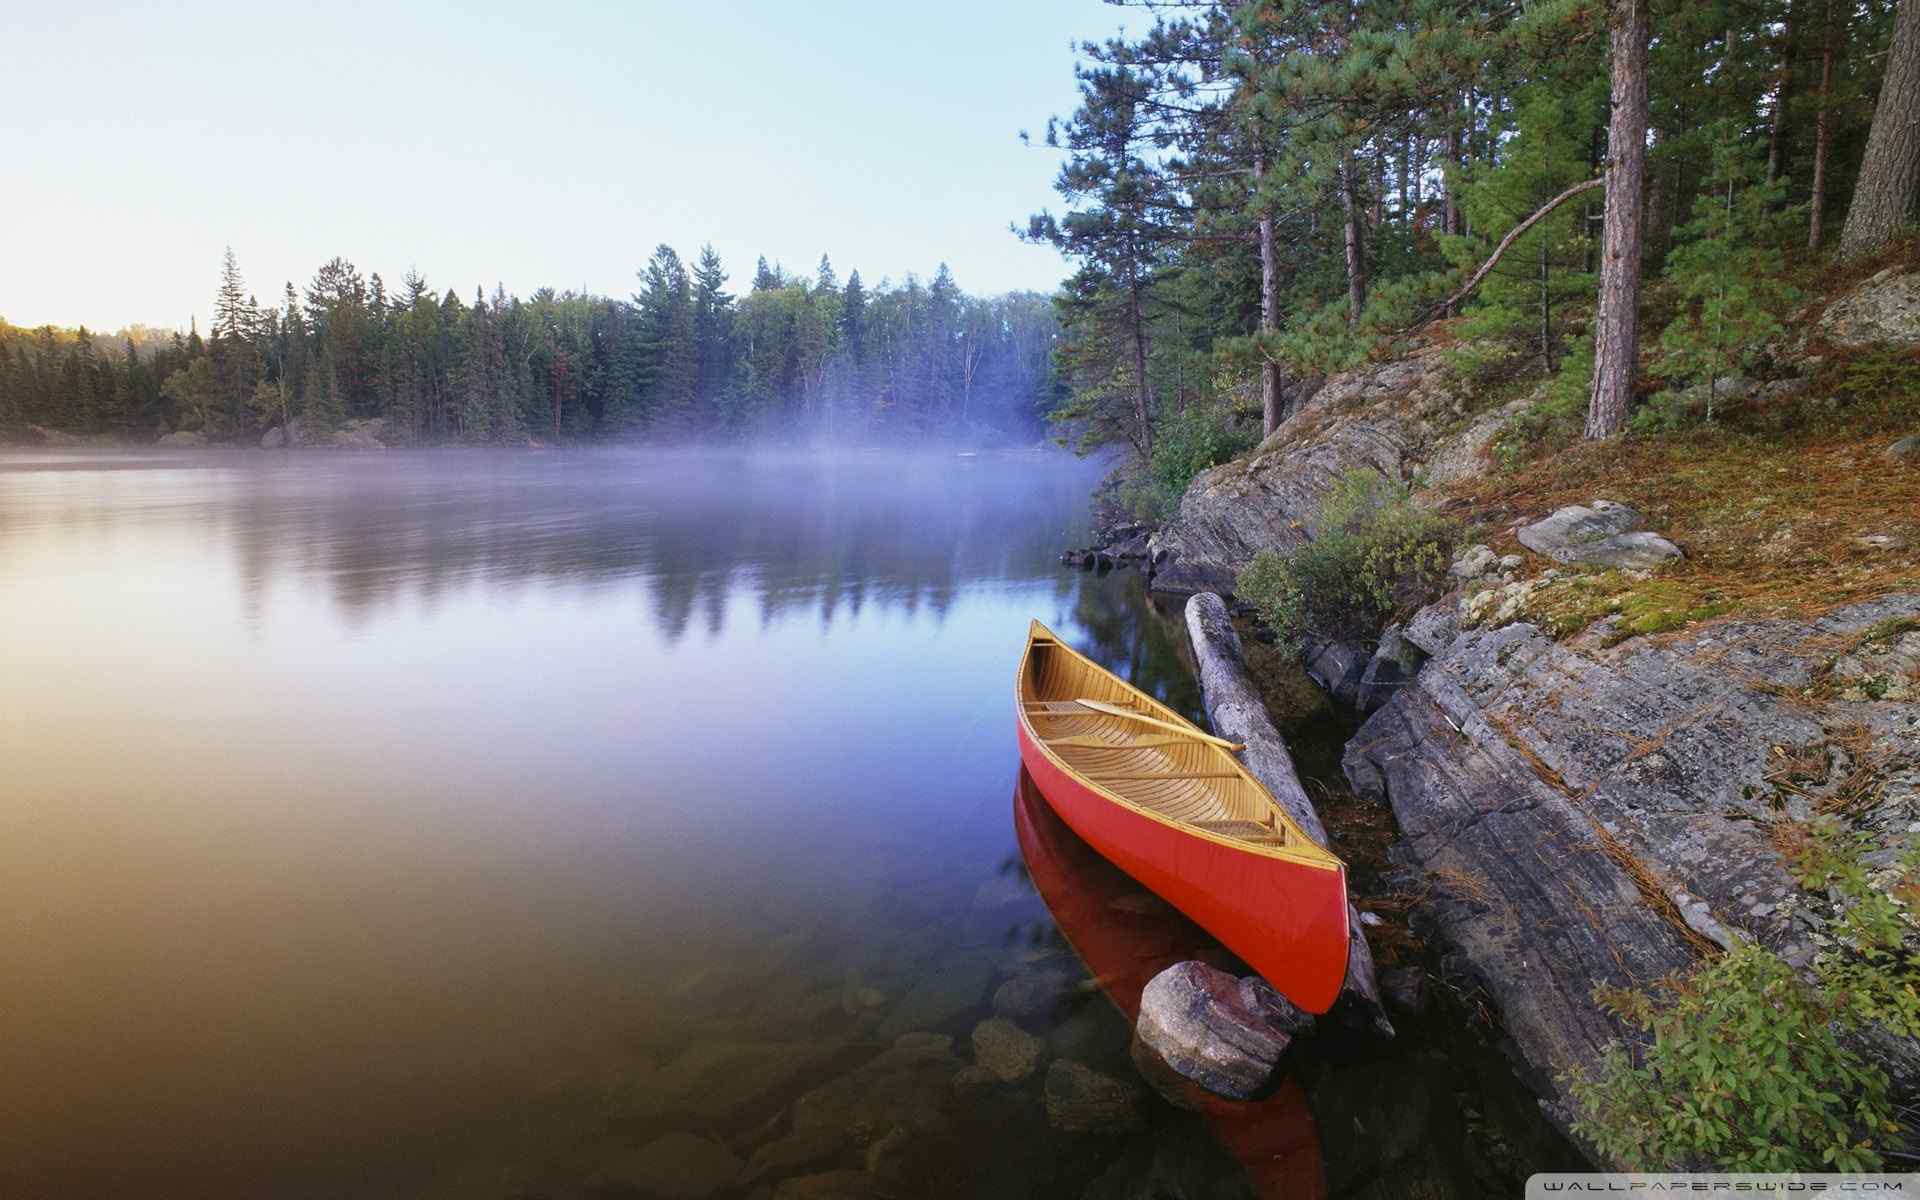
[1142,396]
[1777,121]
[1616,351]
[1822,130]
[1356,266]
[1270,414]
[1890,170]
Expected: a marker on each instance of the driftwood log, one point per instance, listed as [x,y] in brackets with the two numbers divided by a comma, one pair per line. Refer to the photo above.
[1238,713]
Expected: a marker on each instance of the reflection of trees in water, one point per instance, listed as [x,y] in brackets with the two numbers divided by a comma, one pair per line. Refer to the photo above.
[796,534]
[1139,636]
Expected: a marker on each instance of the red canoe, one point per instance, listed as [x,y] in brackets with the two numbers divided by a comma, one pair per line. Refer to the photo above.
[1167,803]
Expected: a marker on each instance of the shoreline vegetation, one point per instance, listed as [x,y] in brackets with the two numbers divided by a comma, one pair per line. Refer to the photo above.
[347,361]
[1503,366]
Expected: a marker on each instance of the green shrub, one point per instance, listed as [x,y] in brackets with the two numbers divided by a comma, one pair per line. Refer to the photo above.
[1745,1071]
[1203,436]
[1887,381]
[1558,416]
[1373,557]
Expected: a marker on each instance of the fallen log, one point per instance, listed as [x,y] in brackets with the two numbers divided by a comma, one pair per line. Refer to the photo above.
[1237,713]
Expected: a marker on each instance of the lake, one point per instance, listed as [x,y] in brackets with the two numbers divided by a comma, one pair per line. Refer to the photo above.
[466,823]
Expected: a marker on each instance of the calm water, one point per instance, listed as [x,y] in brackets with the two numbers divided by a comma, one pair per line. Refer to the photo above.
[460,824]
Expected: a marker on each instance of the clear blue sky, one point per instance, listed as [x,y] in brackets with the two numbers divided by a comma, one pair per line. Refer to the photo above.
[551,143]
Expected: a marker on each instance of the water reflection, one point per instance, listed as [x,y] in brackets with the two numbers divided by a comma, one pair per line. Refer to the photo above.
[367,815]
[1126,935]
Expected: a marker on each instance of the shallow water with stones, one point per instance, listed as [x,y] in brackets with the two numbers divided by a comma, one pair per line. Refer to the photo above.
[543,824]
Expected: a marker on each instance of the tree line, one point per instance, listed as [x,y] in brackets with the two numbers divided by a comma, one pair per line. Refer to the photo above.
[796,358]
[1283,187]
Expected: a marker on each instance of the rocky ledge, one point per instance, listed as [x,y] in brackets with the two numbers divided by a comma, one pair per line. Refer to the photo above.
[1411,417]
[1578,814]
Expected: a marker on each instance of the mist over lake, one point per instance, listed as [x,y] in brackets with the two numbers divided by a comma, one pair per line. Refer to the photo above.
[368,817]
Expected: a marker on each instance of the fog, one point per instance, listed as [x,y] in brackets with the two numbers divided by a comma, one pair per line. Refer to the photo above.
[366,814]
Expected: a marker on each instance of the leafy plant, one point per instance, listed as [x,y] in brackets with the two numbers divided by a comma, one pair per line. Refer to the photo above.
[1374,556]
[1203,436]
[1744,1070]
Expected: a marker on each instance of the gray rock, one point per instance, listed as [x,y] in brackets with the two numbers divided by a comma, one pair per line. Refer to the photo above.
[1906,450]
[795,1152]
[182,438]
[362,434]
[1082,1100]
[1473,562]
[1223,1033]
[1394,418]
[1405,989]
[1883,311]
[281,436]
[1267,502]
[1340,668]
[1509,754]
[1601,534]
[1434,627]
[679,1166]
[1005,1049]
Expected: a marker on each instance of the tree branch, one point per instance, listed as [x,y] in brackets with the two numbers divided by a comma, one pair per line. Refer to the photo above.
[1513,235]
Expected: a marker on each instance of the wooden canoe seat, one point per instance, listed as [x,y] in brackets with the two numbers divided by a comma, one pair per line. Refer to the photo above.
[1246,831]
[1087,741]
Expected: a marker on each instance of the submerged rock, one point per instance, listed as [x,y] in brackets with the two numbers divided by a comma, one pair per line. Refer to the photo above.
[1005,1049]
[726,1081]
[679,1166]
[806,1148]
[1604,533]
[950,990]
[1033,993]
[829,1185]
[1223,1033]
[1082,1100]
[907,1085]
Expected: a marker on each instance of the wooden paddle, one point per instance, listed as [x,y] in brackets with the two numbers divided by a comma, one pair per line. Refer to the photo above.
[1114,710]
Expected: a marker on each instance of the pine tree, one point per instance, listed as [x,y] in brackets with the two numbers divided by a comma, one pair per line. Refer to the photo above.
[667,361]
[1889,184]
[1616,360]
[1727,269]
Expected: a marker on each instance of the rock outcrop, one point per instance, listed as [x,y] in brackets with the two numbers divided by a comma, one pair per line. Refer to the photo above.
[1883,311]
[1582,814]
[1224,1033]
[1411,416]
[180,438]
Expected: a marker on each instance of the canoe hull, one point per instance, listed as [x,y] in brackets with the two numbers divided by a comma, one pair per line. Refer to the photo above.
[1286,919]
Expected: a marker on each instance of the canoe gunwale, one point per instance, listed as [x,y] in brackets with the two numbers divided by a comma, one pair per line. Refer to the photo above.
[1317,856]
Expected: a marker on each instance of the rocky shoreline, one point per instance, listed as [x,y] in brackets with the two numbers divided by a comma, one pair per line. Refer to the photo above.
[1582,806]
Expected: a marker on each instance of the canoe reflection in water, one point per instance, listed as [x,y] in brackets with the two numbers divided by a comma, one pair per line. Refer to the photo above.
[1125,935]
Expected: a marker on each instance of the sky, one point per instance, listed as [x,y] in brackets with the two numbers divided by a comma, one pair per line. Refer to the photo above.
[550,144]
